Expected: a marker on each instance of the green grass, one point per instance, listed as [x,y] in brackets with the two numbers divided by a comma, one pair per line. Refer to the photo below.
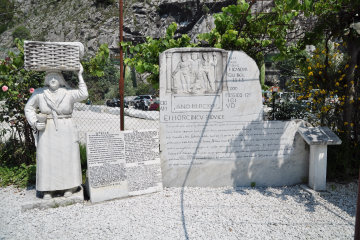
[83,160]
[21,176]
[25,175]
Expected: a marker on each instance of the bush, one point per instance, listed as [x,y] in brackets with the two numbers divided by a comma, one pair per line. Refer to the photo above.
[6,14]
[16,87]
[21,32]
[287,110]
[22,176]
[324,85]
[83,160]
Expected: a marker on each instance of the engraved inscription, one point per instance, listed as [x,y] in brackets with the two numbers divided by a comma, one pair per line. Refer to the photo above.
[107,174]
[141,146]
[105,148]
[106,159]
[143,177]
[131,156]
[227,142]
[197,103]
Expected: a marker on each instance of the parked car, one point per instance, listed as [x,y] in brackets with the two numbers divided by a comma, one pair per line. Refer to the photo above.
[147,99]
[143,104]
[115,102]
[111,102]
[155,106]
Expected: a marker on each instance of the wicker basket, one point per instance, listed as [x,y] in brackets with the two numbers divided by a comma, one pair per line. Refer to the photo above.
[44,56]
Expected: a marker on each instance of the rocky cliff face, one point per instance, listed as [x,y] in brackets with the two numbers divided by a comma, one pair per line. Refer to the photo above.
[93,24]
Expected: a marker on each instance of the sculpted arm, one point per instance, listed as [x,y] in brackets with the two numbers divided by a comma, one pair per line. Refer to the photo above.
[30,111]
[82,92]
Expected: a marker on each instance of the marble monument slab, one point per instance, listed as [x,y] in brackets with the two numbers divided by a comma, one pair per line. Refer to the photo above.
[211,128]
[319,135]
[123,164]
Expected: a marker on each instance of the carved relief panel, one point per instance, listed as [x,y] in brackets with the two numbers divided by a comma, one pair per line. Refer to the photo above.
[194,71]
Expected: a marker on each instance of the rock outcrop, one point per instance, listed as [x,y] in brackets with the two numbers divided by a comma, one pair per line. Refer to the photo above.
[94,23]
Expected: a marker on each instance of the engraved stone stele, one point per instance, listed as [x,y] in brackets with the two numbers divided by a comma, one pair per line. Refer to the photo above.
[122,164]
[211,128]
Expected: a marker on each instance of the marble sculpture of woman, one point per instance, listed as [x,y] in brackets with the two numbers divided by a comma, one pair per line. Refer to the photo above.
[49,111]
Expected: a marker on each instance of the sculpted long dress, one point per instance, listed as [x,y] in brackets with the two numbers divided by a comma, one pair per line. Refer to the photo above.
[57,156]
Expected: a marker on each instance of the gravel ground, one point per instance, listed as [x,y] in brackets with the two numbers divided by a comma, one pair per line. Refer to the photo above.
[219,213]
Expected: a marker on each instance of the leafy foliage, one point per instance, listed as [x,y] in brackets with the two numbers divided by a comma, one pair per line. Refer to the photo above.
[17,154]
[101,76]
[145,56]
[17,85]
[287,110]
[333,70]
[21,32]
[6,14]
[95,66]
[237,28]
[324,89]
[20,176]
[83,160]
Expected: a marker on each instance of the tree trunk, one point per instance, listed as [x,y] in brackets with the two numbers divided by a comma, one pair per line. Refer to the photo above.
[353,51]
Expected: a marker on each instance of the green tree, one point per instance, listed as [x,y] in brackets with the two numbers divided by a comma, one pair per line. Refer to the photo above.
[101,76]
[337,75]
[237,27]
[335,23]
[145,56]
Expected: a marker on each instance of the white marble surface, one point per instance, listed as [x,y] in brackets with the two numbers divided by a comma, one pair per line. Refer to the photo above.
[319,136]
[218,138]
[122,164]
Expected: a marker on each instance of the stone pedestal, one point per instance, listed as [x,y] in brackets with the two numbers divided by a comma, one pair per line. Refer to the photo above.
[56,201]
[318,138]
[317,167]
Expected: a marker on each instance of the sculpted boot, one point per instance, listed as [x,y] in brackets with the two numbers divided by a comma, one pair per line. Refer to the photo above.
[47,196]
[70,191]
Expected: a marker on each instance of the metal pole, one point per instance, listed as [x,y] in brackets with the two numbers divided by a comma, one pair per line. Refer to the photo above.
[273,104]
[357,219]
[121,81]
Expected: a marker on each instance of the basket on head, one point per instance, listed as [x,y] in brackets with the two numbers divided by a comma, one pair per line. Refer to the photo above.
[45,56]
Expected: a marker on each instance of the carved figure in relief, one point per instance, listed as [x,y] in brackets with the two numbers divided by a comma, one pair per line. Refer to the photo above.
[57,156]
[195,80]
[207,72]
[184,70]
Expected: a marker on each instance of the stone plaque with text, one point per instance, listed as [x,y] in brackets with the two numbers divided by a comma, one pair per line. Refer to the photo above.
[123,164]
[211,128]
